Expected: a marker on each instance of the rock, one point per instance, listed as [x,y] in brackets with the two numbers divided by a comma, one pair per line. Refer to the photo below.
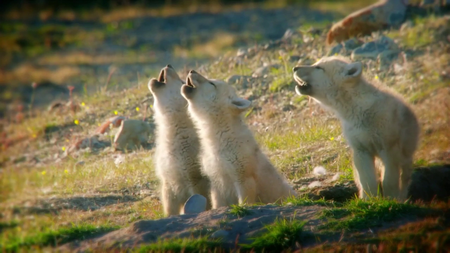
[335,177]
[335,50]
[380,15]
[132,134]
[219,234]
[314,184]
[352,44]
[385,58]
[319,170]
[373,48]
[195,204]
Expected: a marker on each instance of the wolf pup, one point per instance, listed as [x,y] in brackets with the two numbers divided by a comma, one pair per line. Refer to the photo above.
[177,144]
[237,169]
[375,121]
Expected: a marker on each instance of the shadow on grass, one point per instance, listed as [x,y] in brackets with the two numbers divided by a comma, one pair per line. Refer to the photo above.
[428,184]
[55,205]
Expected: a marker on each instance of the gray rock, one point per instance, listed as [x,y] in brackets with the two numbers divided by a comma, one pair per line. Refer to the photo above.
[385,58]
[372,49]
[314,184]
[335,50]
[195,204]
[352,44]
[219,234]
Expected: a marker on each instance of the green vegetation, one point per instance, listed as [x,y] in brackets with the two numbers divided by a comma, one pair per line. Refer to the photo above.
[54,237]
[239,210]
[201,244]
[305,201]
[360,214]
[282,235]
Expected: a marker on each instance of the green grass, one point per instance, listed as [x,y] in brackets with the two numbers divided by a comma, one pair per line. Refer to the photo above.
[201,244]
[239,210]
[305,201]
[360,214]
[281,235]
[54,237]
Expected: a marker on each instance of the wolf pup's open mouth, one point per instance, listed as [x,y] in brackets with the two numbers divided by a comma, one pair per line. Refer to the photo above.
[302,87]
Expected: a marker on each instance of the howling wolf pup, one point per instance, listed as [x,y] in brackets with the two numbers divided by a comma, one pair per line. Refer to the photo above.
[376,123]
[237,169]
[177,144]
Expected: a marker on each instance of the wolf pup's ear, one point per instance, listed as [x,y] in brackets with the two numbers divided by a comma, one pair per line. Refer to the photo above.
[240,104]
[353,69]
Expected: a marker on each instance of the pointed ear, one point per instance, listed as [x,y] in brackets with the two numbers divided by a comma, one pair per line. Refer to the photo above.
[240,104]
[353,69]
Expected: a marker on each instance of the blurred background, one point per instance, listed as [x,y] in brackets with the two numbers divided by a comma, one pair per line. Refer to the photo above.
[54,44]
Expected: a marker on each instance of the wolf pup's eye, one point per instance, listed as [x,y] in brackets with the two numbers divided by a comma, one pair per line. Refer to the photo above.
[212,84]
[317,67]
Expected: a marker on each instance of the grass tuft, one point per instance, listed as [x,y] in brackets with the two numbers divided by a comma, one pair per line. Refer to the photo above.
[239,210]
[281,235]
[201,244]
[361,214]
[305,201]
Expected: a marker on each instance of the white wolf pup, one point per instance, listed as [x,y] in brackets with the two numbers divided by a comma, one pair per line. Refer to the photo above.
[177,144]
[376,123]
[237,169]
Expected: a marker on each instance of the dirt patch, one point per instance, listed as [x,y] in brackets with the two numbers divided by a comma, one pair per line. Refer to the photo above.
[233,229]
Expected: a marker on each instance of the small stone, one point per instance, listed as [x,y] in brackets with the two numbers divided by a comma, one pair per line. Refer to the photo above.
[219,234]
[372,49]
[195,204]
[336,177]
[314,184]
[319,170]
[335,50]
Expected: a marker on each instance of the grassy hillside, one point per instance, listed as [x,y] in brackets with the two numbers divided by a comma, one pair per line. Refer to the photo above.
[50,196]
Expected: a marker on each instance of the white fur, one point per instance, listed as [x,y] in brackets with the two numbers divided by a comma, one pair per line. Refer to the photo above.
[177,145]
[375,122]
[239,172]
